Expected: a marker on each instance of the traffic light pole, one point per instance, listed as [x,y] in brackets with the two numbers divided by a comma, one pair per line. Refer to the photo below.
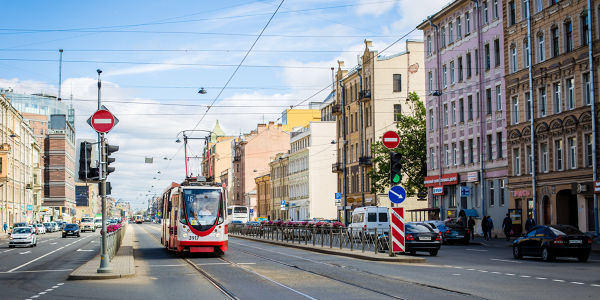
[104,260]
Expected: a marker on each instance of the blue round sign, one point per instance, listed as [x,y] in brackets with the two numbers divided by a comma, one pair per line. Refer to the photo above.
[397,194]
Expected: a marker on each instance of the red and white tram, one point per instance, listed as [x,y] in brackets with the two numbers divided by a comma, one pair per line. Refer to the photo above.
[194,218]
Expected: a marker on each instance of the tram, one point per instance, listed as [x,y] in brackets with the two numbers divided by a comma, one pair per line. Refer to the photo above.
[193,217]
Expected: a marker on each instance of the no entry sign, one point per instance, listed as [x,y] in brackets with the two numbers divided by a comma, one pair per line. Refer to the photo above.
[391,139]
[397,229]
[102,121]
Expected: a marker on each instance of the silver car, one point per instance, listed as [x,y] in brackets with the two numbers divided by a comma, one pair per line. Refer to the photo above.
[23,236]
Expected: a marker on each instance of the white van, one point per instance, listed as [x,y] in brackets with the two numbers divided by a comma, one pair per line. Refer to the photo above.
[370,218]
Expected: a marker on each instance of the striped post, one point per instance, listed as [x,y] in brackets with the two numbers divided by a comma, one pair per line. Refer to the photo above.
[397,229]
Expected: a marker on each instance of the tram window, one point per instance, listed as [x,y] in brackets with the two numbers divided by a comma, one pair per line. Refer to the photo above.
[229,211]
[182,217]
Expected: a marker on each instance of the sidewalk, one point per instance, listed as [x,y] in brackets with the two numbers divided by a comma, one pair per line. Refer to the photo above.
[122,264]
[367,255]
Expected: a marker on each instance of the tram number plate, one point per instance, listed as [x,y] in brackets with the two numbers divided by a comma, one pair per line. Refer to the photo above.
[194,237]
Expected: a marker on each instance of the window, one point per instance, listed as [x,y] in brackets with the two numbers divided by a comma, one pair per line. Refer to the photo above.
[512,15]
[450,33]
[431,158]
[552,2]
[476,61]
[461,110]
[525,53]
[487,56]
[444,71]
[443,37]
[445,114]
[467,23]
[542,102]
[397,112]
[430,81]
[491,185]
[460,69]
[555,42]
[524,10]
[452,72]
[516,162]
[453,107]
[431,120]
[489,147]
[558,155]
[541,49]
[468,65]
[495,10]
[485,13]
[496,52]
[529,160]
[499,152]
[584,30]
[471,154]
[587,98]
[588,149]
[528,106]
[447,155]
[501,181]
[429,46]
[454,154]
[488,100]
[515,110]
[470,107]
[452,200]
[572,144]
[462,152]
[544,157]
[539,5]
[397,82]
[498,98]
[570,93]
[568,36]
[557,101]
[513,59]
[458,29]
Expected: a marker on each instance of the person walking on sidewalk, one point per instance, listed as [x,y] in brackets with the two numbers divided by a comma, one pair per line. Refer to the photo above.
[5,227]
[507,226]
[484,227]
[472,227]
[529,224]
[490,227]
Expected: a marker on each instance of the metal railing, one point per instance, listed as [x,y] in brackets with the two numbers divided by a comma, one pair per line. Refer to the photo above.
[114,240]
[318,236]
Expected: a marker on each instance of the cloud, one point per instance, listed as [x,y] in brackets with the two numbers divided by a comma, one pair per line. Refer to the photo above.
[369,7]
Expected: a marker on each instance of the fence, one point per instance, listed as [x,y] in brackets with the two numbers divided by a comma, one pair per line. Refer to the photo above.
[113,241]
[318,236]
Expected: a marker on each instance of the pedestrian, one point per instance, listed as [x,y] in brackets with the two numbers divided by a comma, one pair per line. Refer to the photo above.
[5,227]
[507,226]
[472,227]
[484,227]
[490,227]
[530,223]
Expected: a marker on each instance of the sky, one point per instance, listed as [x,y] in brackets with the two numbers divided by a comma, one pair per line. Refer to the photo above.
[156,55]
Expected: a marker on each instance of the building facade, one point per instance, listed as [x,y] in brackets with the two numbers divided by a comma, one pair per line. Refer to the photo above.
[295,117]
[279,186]
[466,133]
[217,153]
[263,196]
[549,98]
[59,171]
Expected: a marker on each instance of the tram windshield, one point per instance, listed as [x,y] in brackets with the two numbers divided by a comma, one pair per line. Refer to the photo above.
[202,207]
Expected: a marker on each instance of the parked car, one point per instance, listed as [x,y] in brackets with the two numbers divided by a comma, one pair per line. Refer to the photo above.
[60,224]
[98,222]
[55,226]
[41,229]
[71,229]
[437,225]
[549,242]
[20,224]
[421,237]
[49,227]
[456,233]
[371,218]
[23,236]
[87,224]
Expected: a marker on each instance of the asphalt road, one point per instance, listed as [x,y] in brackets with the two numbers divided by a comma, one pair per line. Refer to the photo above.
[254,270]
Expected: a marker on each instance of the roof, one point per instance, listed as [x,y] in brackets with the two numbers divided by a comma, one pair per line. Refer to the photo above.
[439,13]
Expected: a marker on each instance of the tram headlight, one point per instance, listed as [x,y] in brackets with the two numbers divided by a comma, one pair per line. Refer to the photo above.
[185,234]
[218,235]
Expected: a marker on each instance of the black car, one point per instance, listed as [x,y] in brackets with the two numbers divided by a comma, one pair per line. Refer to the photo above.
[420,237]
[549,242]
[71,229]
[456,233]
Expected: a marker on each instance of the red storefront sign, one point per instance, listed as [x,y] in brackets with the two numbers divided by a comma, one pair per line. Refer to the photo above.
[446,179]
[597,187]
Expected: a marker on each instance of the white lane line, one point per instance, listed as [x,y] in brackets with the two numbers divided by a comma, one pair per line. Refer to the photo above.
[179,265]
[210,264]
[41,293]
[37,271]
[49,290]
[558,280]
[596,285]
[25,252]
[470,269]
[505,260]
[459,267]
[525,276]
[36,296]
[478,250]
[83,250]
[8,250]
[53,243]
[509,274]
[456,274]
[482,271]
[34,260]
[575,282]
[496,273]
[59,284]
[55,286]
[541,278]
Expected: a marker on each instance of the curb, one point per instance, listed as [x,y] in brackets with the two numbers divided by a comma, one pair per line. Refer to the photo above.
[399,259]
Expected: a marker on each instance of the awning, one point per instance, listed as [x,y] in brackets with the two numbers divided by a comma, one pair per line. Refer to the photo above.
[471,213]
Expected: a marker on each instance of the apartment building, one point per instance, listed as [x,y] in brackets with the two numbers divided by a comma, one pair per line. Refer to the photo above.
[217,153]
[549,100]
[466,134]
[263,196]
[279,182]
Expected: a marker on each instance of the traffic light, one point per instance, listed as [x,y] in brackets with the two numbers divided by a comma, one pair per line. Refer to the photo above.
[86,172]
[395,168]
[108,187]
[108,150]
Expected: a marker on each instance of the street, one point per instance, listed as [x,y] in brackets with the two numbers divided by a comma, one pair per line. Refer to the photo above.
[254,270]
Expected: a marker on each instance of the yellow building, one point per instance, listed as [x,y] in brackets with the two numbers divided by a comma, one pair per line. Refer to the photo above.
[291,118]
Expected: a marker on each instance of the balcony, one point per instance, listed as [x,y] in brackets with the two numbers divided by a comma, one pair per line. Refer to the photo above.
[365,161]
[336,168]
[365,95]
[336,109]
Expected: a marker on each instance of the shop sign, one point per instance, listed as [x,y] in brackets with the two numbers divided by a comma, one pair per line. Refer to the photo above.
[473,177]
[438,190]
[465,191]
[29,207]
[597,187]
[521,193]
[446,179]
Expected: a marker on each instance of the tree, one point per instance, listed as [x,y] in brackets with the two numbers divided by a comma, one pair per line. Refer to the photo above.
[413,147]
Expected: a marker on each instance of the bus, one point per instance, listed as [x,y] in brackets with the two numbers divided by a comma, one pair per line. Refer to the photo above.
[238,214]
[193,217]
[139,219]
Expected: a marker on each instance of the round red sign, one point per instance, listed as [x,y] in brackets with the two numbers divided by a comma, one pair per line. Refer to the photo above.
[391,139]
[102,121]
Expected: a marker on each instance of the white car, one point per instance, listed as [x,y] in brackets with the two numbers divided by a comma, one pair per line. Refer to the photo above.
[98,222]
[55,226]
[40,228]
[23,236]
[370,219]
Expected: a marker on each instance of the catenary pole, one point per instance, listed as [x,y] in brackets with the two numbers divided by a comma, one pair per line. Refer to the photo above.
[104,263]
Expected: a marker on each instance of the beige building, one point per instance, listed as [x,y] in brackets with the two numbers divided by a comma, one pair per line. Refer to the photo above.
[20,172]
[217,155]
[263,196]
[368,99]
[279,186]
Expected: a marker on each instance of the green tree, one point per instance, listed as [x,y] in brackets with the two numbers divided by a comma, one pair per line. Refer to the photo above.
[412,132]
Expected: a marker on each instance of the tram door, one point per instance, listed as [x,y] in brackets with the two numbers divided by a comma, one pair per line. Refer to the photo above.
[173,220]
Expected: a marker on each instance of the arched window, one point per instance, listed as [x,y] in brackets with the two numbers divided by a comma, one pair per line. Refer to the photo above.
[525,53]
[568,28]
[541,47]
[513,58]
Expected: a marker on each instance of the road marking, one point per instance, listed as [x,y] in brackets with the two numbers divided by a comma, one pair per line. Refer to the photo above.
[482,271]
[53,243]
[41,293]
[37,271]
[575,282]
[246,263]
[459,267]
[505,260]
[59,284]
[34,260]
[541,278]
[596,285]
[7,250]
[509,274]
[25,252]
[179,265]
[48,290]
[210,264]
[36,296]
[496,273]
[478,250]
[525,276]
[470,269]
[55,286]
[558,280]
[83,250]
[456,274]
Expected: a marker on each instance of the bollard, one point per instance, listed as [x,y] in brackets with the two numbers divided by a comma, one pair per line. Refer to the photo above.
[376,243]
[340,238]
[321,236]
[390,241]
[312,233]
[330,237]
[351,240]
[362,240]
